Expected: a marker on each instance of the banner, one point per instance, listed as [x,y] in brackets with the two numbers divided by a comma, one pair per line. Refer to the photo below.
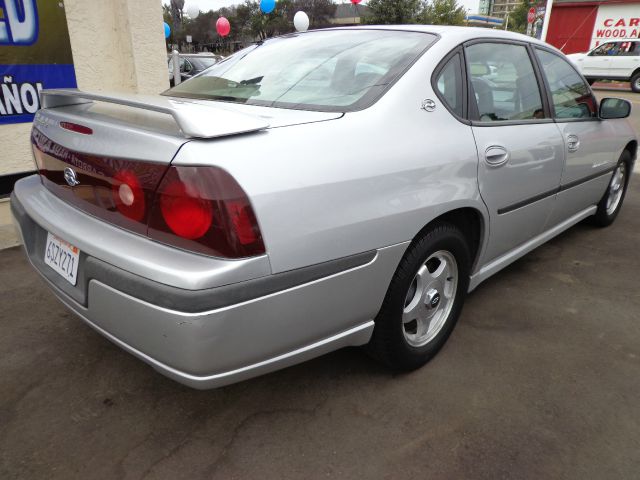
[616,22]
[35,53]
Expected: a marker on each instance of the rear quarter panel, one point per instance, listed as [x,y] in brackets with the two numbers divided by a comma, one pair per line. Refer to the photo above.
[370,179]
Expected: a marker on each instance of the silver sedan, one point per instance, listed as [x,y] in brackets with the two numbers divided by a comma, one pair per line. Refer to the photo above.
[318,190]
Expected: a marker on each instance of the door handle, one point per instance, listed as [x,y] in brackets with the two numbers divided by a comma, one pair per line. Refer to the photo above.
[496,156]
[573,143]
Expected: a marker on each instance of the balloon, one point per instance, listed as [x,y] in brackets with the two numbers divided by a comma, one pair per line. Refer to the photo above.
[267,6]
[355,2]
[223,27]
[301,21]
[167,30]
[193,11]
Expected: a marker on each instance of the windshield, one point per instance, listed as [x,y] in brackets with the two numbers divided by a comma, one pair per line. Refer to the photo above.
[334,70]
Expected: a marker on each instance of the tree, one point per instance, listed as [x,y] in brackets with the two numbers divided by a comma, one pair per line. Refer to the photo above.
[177,7]
[320,11]
[248,23]
[443,12]
[394,12]
[518,18]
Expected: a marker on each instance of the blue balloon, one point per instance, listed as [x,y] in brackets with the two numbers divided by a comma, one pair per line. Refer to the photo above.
[167,30]
[267,6]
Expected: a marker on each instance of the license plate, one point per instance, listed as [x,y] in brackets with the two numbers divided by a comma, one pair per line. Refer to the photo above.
[62,257]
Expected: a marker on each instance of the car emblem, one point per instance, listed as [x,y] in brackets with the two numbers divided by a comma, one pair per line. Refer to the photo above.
[435,300]
[428,105]
[70,177]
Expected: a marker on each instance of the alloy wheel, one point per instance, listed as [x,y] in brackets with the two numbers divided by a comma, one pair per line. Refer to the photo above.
[430,298]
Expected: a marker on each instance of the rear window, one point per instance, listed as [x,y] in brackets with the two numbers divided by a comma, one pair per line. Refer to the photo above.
[336,70]
[202,62]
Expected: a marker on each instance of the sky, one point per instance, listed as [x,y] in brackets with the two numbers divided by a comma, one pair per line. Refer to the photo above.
[206,5]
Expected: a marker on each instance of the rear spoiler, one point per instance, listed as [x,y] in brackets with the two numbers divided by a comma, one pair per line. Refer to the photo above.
[194,120]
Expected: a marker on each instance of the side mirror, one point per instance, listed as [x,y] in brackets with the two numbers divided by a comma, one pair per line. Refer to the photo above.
[611,108]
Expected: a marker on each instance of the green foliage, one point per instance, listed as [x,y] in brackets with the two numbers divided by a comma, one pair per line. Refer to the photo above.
[434,12]
[443,12]
[394,12]
[248,23]
[518,18]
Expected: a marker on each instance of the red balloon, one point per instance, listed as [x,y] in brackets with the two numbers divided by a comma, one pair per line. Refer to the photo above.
[223,27]
[355,2]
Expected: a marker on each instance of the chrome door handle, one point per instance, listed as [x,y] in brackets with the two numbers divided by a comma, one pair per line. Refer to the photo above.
[496,156]
[573,143]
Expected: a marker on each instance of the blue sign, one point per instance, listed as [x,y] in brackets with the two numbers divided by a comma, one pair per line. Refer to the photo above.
[35,53]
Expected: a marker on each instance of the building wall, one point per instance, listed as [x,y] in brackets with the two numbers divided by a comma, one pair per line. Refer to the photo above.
[116,45]
[571,27]
[579,26]
[484,7]
[501,8]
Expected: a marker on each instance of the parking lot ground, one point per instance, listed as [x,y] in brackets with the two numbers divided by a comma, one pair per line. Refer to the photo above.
[540,379]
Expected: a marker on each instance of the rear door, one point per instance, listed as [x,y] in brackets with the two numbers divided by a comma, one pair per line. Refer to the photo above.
[519,147]
[626,60]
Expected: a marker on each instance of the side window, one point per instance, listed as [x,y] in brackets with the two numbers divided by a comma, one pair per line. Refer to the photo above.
[630,49]
[606,49]
[503,82]
[449,84]
[600,50]
[571,96]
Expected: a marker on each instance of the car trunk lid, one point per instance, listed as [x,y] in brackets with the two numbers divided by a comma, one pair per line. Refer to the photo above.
[100,151]
[87,146]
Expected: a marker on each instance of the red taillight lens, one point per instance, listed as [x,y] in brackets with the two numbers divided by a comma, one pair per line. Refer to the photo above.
[201,209]
[205,210]
[244,222]
[128,195]
[187,216]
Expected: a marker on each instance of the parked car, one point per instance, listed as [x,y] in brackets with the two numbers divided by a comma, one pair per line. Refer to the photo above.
[192,64]
[618,60]
[260,215]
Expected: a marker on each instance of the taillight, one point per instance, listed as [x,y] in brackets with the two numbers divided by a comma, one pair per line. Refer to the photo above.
[201,209]
[205,210]
[128,195]
[187,216]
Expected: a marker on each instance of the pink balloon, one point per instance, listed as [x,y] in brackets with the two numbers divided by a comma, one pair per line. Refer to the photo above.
[223,27]
[355,2]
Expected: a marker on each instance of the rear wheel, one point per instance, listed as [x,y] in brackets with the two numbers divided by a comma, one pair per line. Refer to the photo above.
[635,82]
[424,300]
[611,202]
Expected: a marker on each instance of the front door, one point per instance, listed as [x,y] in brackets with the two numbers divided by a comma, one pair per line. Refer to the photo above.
[520,149]
[598,62]
[591,146]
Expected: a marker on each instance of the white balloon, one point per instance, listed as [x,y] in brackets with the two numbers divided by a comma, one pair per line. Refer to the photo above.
[301,21]
[193,11]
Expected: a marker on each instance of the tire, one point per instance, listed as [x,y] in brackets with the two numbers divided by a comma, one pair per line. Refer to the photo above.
[635,82]
[417,288]
[611,202]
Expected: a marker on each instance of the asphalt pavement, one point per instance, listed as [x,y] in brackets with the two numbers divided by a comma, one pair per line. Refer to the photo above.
[540,380]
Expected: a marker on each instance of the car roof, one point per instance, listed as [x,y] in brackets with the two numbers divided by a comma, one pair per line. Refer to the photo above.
[452,34]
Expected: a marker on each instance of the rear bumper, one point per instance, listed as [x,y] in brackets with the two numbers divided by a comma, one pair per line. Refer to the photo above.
[235,331]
